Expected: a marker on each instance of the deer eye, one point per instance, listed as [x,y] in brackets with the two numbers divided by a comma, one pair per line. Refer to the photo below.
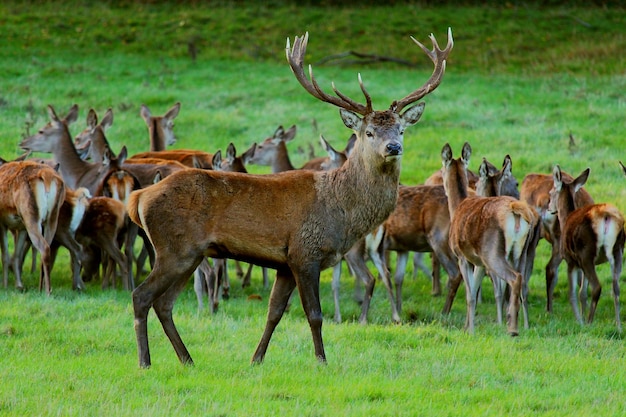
[369,134]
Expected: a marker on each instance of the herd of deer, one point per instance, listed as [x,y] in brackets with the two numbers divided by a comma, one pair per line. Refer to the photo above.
[189,206]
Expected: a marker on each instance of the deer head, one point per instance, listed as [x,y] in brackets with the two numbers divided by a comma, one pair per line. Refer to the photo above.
[382,130]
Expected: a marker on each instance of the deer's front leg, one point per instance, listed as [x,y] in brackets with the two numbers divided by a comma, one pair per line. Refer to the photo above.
[309,288]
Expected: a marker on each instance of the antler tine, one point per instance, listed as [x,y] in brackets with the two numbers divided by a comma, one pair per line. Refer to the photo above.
[368,98]
[439,58]
[295,57]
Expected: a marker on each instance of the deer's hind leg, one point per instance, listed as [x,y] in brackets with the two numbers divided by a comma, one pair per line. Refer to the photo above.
[159,290]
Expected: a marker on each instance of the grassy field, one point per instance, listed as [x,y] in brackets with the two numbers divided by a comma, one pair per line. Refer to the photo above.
[520,80]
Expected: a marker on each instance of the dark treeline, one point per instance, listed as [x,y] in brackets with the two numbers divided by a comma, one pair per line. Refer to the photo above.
[360,3]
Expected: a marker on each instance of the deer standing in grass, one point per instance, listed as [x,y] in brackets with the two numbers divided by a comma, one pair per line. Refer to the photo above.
[590,235]
[493,183]
[311,218]
[487,233]
[535,190]
[31,195]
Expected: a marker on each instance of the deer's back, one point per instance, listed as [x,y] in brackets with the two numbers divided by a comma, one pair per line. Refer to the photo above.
[589,228]
[421,211]
[484,224]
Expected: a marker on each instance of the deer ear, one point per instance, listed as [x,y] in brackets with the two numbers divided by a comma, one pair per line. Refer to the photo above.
[173,112]
[92,119]
[466,152]
[231,153]
[52,114]
[217,160]
[507,167]
[107,120]
[350,119]
[483,170]
[412,115]
[72,115]
[557,177]
[581,180]
[145,113]
[121,157]
[446,155]
[247,155]
[290,133]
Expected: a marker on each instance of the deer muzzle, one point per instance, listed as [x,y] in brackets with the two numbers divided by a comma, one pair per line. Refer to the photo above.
[393,149]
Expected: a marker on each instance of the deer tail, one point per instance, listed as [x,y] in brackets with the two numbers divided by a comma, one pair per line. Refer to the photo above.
[133,207]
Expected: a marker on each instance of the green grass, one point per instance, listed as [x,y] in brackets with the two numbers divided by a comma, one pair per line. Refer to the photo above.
[519,81]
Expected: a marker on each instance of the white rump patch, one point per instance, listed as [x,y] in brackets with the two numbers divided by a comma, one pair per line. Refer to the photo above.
[516,231]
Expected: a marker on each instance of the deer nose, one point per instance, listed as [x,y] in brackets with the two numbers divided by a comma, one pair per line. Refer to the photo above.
[394,148]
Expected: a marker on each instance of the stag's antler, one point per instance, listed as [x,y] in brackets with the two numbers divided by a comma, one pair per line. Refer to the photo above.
[295,56]
[439,57]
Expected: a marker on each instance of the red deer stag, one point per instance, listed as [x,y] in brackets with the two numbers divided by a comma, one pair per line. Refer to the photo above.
[206,278]
[535,190]
[590,235]
[31,195]
[332,210]
[487,233]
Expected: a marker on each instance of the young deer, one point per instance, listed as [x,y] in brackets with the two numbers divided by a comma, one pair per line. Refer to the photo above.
[487,233]
[535,190]
[310,220]
[590,235]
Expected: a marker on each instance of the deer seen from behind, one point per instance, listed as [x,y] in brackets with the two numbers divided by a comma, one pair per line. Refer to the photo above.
[310,219]
[31,195]
[535,190]
[488,233]
[590,235]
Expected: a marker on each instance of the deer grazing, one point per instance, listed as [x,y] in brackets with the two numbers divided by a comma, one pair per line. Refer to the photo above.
[488,233]
[311,217]
[535,190]
[31,195]
[590,235]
